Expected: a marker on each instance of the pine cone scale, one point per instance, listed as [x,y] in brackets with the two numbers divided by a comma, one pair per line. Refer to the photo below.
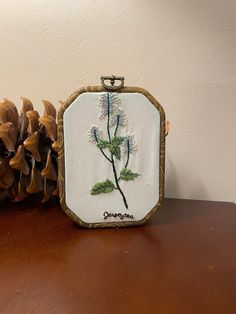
[28,159]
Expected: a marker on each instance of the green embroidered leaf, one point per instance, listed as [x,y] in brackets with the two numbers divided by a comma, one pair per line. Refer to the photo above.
[102,187]
[117,140]
[103,144]
[114,147]
[128,175]
[115,150]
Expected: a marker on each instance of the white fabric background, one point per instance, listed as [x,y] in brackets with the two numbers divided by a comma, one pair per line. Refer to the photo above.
[85,165]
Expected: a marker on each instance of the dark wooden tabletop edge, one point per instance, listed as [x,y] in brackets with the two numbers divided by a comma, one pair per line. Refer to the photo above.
[35,202]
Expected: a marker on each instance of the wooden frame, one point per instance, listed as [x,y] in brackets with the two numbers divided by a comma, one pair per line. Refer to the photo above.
[61,161]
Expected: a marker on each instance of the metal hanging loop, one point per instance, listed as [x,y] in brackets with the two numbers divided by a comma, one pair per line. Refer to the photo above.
[112,80]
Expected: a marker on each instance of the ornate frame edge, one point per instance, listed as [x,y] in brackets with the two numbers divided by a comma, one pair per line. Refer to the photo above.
[61,161]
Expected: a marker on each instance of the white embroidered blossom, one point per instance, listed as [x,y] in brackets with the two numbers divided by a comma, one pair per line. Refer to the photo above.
[94,134]
[108,103]
[129,144]
[118,118]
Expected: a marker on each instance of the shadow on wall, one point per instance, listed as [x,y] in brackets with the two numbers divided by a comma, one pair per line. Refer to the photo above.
[178,183]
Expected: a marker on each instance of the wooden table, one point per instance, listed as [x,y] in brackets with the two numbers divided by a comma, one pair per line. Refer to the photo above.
[183,261]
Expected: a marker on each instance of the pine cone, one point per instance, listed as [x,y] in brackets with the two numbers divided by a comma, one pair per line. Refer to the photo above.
[28,157]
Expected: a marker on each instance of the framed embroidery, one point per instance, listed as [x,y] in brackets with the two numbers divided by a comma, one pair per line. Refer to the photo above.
[111,155]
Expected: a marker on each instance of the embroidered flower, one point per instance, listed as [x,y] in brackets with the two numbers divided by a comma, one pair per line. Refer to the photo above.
[129,144]
[118,118]
[110,147]
[94,134]
[108,103]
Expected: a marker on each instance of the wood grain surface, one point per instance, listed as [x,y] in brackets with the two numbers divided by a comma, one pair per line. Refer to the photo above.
[182,261]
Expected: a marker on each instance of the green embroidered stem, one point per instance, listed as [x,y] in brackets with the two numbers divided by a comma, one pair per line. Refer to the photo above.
[108,117]
[117,125]
[127,161]
[112,158]
[127,154]
[95,135]
[117,183]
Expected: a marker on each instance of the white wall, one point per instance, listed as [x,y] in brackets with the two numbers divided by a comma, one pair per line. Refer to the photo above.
[182,51]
